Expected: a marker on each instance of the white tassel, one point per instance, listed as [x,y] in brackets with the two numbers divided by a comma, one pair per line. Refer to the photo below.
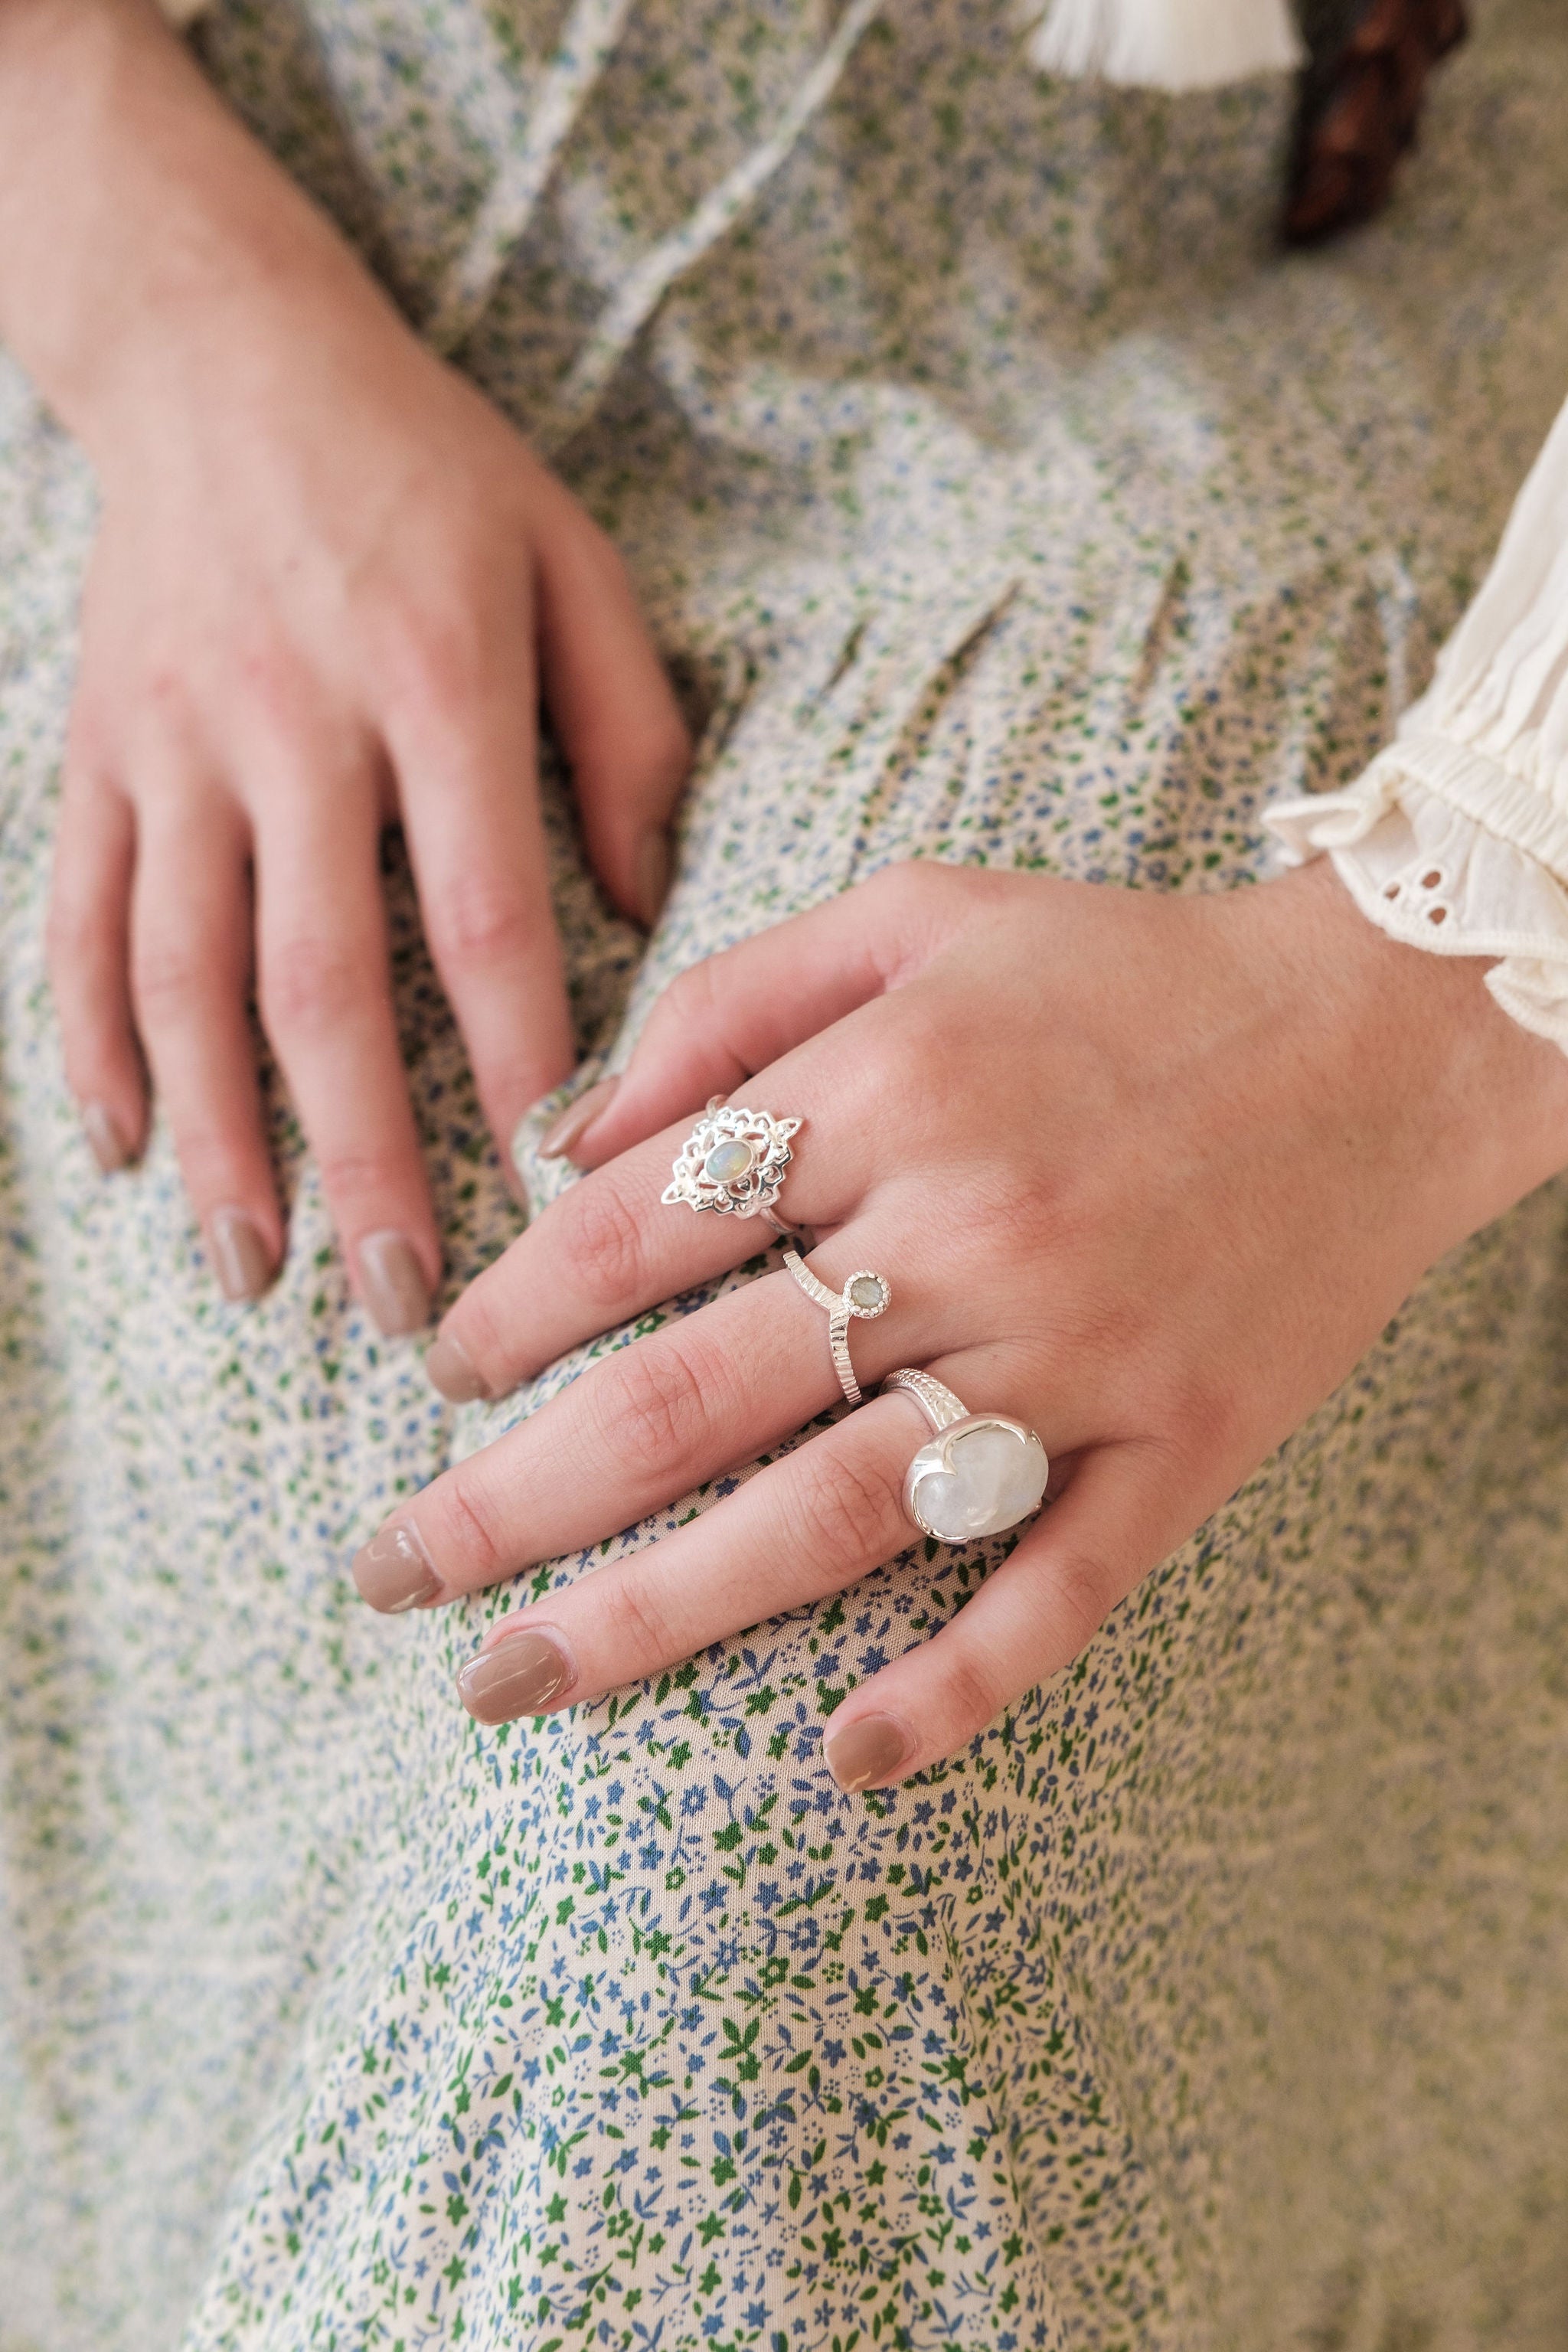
[1165,44]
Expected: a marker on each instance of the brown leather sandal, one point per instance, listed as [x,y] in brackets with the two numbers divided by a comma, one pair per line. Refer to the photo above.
[1360,105]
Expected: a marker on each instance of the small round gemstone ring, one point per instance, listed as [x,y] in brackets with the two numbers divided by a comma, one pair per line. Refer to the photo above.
[733,1161]
[980,1474]
[862,1297]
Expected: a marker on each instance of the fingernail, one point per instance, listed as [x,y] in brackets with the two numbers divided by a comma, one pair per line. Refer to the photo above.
[520,1676]
[654,864]
[867,1751]
[394,1570]
[575,1120]
[453,1371]
[241,1259]
[110,1148]
[396,1290]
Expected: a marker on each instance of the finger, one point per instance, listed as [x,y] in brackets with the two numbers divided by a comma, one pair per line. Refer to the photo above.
[1117,1519]
[89,967]
[732,1015]
[610,1246]
[615,714]
[805,1527]
[191,934]
[652,1420]
[467,787]
[326,1003]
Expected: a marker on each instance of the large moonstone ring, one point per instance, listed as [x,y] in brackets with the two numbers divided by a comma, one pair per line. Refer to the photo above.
[733,1161]
[981,1472]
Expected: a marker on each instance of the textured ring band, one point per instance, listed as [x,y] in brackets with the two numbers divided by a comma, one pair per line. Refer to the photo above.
[981,1473]
[862,1297]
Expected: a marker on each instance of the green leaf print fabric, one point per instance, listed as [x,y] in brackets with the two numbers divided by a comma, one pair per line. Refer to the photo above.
[998,495]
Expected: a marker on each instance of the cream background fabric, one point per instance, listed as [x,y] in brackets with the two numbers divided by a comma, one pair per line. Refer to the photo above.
[999,494]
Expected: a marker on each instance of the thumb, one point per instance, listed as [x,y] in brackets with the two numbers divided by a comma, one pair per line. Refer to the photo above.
[737,1012]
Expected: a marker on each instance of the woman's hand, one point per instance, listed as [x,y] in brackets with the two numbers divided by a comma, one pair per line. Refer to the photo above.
[329,587]
[1147,1173]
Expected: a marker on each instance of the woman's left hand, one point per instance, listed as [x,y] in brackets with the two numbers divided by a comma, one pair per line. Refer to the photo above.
[1146,1173]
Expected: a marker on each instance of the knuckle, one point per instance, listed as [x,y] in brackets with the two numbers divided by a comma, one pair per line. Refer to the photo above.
[1078,1594]
[636,1622]
[73,935]
[349,1175]
[464,1528]
[654,1404]
[974,1692]
[309,986]
[845,1512]
[433,666]
[602,1252]
[167,974]
[478,923]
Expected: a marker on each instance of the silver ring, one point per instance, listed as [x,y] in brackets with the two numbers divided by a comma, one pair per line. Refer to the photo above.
[733,1161]
[862,1297]
[980,1474]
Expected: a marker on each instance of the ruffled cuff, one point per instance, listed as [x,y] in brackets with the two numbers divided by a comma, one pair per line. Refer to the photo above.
[1430,873]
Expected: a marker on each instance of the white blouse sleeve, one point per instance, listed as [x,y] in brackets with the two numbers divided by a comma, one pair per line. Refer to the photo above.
[1456,838]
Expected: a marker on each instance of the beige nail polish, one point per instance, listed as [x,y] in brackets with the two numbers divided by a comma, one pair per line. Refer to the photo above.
[867,1751]
[110,1148]
[557,1141]
[394,1570]
[520,1676]
[452,1370]
[241,1259]
[393,1280]
[654,864]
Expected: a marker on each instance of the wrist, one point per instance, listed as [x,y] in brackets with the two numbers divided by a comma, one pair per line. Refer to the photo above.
[147,242]
[1469,1110]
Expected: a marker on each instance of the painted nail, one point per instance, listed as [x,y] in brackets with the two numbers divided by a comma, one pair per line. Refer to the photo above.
[396,1290]
[870,1750]
[241,1259]
[520,1676]
[575,1121]
[394,1570]
[110,1148]
[453,1371]
[653,867]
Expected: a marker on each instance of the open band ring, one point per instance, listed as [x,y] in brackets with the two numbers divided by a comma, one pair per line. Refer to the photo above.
[980,1474]
[733,1161]
[862,1297]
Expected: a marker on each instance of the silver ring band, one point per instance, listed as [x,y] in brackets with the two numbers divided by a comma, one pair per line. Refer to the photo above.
[864,1296]
[980,1474]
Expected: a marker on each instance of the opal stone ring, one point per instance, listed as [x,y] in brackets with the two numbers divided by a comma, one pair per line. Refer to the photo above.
[733,1161]
[862,1297]
[980,1474]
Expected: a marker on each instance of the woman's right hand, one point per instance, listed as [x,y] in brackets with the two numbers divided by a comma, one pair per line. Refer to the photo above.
[330,585]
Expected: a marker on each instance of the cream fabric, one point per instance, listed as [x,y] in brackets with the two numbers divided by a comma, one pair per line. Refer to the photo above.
[1455,837]
[1166,44]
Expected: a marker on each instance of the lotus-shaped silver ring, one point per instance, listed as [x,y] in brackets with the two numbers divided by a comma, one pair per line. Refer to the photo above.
[733,1161]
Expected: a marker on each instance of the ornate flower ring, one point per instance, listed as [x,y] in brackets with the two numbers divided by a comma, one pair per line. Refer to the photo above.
[862,1297]
[981,1473]
[734,1161]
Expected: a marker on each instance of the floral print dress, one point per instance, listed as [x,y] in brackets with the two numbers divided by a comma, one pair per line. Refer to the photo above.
[999,495]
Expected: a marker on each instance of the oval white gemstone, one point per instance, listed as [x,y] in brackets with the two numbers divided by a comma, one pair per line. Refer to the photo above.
[728,1162]
[993,1480]
[867,1293]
